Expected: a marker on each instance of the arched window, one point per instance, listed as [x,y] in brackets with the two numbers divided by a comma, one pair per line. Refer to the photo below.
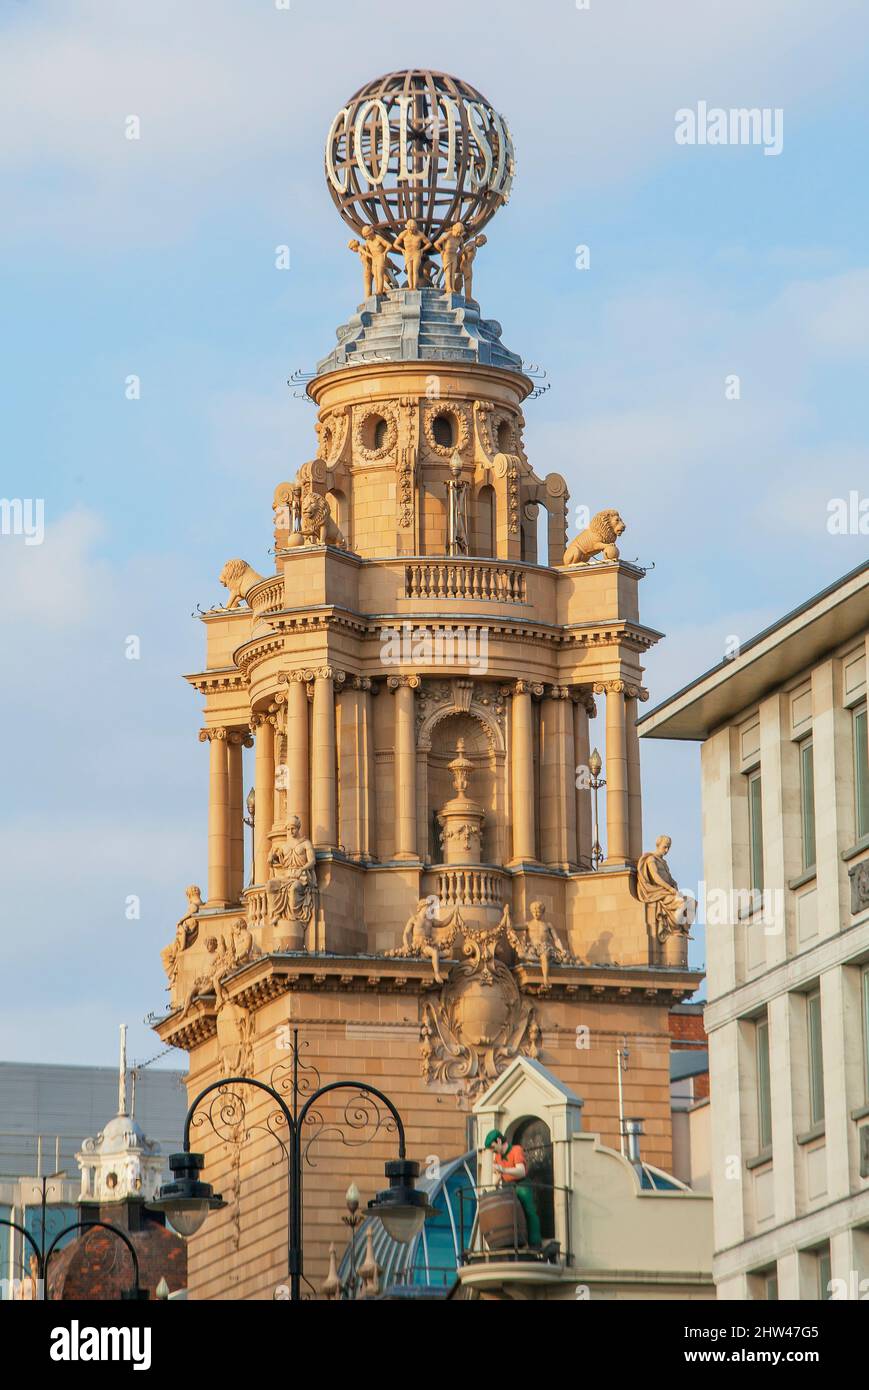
[486,535]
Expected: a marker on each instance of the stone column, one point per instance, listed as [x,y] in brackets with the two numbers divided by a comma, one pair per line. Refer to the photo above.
[235,741]
[617,821]
[524,839]
[324,775]
[296,775]
[557,768]
[264,794]
[635,793]
[402,688]
[356,767]
[583,709]
[218,817]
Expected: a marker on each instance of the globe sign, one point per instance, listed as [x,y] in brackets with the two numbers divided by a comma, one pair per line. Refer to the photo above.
[421,145]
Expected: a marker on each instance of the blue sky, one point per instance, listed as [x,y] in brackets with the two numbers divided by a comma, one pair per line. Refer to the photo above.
[156,257]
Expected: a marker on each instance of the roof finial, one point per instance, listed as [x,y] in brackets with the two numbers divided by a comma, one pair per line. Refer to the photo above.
[122,1073]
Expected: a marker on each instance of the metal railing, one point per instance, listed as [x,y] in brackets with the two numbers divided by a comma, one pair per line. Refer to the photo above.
[548,1252]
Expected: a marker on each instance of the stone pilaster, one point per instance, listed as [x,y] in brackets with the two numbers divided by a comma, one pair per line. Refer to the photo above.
[264,792]
[218,817]
[324,764]
[522,748]
[403,688]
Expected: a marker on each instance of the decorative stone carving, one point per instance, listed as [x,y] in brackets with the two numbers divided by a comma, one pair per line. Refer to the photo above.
[466,263]
[460,819]
[293,889]
[450,245]
[599,536]
[538,943]
[458,523]
[420,934]
[318,525]
[186,931]
[235,1030]
[413,244]
[406,473]
[384,410]
[859,877]
[668,912]
[382,269]
[459,418]
[238,577]
[480,1020]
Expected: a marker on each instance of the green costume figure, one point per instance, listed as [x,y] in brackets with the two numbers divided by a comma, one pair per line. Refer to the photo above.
[512,1167]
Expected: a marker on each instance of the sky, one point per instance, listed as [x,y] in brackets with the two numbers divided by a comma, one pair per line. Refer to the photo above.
[155,258]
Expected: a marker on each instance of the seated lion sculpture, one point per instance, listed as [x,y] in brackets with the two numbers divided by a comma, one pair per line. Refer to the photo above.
[318,526]
[600,535]
[238,577]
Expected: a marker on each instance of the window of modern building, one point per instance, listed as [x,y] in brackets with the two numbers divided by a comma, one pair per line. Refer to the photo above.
[825,1273]
[770,1284]
[755,830]
[807,802]
[816,1058]
[764,1097]
[861,772]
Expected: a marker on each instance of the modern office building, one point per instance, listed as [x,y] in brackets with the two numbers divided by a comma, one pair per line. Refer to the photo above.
[786,861]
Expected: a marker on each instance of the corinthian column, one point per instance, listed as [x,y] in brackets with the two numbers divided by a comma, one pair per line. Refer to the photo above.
[557,777]
[402,688]
[235,741]
[324,768]
[524,846]
[264,794]
[617,823]
[296,775]
[583,709]
[357,769]
[635,794]
[218,817]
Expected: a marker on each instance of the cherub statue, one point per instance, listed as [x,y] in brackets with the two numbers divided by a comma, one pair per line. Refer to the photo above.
[413,244]
[667,910]
[378,248]
[450,247]
[466,262]
[419,937]
[539,942]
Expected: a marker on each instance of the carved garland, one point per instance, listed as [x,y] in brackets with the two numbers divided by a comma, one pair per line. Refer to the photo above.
[459,415]
[385,410]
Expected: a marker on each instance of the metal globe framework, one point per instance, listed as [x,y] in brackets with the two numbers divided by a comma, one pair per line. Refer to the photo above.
[423,145]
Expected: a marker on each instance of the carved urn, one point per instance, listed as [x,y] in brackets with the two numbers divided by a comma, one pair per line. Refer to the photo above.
[460,819]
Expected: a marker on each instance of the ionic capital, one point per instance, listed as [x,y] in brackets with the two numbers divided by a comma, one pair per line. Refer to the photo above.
[209,735]
[523,687]
[403,682]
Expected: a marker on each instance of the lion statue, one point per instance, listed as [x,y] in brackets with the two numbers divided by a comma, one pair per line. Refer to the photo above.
[238,577]
[318,526]
[600,535]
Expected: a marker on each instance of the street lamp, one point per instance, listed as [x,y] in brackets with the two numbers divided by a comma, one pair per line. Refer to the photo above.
[595,763]
[186,1201]
[400,1206]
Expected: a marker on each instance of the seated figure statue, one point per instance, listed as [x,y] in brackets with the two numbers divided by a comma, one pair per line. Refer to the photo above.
[292,890]
[667,910]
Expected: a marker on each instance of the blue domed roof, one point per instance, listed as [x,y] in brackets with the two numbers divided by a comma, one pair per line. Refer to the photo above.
[426,325]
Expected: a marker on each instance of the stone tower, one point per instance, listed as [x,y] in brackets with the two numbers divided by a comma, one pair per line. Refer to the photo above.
[417,682]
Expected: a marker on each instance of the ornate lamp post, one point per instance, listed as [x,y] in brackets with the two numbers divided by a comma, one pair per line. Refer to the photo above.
[187,1200]
[595,763]
[135,1292]
[249,820]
